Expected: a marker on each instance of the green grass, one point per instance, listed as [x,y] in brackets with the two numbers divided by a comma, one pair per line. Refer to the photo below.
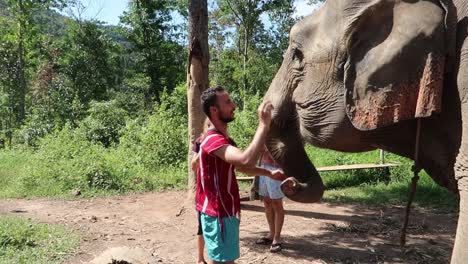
[428,194]
[22,241]
[372,186]
[98,172]
[24,173]
[13,167]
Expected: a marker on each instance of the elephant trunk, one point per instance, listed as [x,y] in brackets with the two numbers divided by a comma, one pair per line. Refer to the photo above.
[286,146]
[285,143]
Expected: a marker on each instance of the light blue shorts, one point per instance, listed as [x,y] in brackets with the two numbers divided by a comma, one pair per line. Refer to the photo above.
[223,248]
[268,187]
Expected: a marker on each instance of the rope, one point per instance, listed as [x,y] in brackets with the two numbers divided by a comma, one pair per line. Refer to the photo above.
[416,169]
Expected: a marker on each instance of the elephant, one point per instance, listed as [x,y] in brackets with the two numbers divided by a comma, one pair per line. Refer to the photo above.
[359,75]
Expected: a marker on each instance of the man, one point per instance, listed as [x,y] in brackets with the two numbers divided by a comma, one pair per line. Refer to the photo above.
[217,195]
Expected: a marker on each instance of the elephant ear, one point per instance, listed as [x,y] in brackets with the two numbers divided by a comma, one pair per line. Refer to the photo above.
[396,55]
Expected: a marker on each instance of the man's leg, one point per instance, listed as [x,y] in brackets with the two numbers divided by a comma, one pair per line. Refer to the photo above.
[201,249]
[278,209]
[270,216]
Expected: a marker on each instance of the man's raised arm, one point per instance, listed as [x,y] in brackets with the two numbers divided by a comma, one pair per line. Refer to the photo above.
[249,157]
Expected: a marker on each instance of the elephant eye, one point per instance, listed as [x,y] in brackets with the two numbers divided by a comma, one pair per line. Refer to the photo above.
[297,54]
[340,69]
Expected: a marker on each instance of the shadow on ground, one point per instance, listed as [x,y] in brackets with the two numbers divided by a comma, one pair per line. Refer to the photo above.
[363,235]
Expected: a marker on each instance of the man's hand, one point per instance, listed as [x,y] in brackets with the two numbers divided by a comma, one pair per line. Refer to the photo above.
[264,113]
[278,175]
[195,162]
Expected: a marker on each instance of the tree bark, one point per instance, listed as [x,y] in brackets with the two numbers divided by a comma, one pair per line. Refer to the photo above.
[21,94]
[197,75]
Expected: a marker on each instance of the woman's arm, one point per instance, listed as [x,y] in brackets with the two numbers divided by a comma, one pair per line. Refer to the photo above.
[258,171]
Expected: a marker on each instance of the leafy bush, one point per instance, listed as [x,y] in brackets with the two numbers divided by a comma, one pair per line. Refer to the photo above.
[67,161]
[99,177]
[104,123]
[51,111]
[161,139]
[151,155]
[37,125]
[131,95]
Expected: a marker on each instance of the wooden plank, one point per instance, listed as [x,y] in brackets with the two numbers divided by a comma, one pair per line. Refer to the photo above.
[246,178]
[357,166]
[342,167]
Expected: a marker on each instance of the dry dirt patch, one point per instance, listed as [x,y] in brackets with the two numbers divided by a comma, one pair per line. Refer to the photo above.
[316,233]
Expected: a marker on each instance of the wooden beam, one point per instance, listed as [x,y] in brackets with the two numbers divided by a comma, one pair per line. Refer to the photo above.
[342,167]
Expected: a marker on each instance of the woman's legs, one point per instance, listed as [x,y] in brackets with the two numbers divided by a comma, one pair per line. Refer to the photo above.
[278,211]
[270,216]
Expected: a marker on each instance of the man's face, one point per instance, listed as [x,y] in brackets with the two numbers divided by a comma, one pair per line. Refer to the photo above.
[225,107]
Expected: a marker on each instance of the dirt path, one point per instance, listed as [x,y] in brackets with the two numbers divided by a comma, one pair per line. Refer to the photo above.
[317,233]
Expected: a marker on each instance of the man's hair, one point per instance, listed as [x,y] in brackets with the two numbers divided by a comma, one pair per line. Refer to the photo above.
[209,98]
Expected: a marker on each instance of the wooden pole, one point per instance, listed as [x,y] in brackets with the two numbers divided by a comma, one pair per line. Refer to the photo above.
[382,156]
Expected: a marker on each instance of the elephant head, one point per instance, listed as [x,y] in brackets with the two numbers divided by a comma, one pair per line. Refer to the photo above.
[353,67]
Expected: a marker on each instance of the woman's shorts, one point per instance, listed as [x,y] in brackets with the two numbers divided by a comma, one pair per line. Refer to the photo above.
[268,187]
[221,245]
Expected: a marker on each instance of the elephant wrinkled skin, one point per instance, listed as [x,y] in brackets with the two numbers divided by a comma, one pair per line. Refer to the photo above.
[358,74]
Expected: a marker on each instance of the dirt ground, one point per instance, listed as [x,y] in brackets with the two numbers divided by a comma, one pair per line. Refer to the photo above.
[314,233]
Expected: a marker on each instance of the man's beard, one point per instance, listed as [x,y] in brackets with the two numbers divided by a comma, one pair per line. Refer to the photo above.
[226,119]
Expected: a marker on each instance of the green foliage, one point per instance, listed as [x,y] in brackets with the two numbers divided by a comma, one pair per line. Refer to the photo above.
[55,105]
[67,161]
[257,50]
[151,154]
[131,96]
[153,50]
[24,35]
[87,61]
[8,92]
[22,241]
[242,129]
[260,72]
[227,71]
[104,123]
[161,140]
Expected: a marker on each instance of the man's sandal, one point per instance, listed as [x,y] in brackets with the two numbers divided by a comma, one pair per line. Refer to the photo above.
[263,241]
[276,247]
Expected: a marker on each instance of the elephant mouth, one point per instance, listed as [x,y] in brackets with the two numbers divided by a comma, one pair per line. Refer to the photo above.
[310,191]
[291,187]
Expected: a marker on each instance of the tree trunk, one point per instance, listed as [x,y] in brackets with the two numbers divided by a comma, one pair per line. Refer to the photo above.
[197,75]
[21,94]
[244,72]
